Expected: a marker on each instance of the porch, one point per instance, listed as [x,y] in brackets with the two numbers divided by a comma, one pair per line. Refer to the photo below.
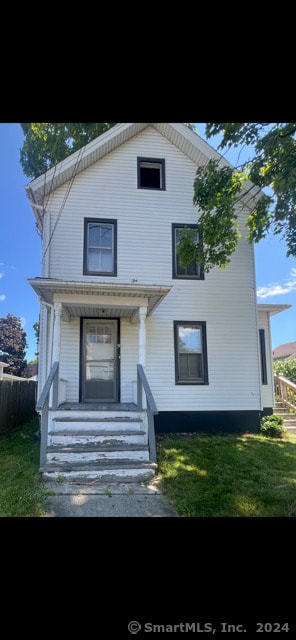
[113,442]
[85,419]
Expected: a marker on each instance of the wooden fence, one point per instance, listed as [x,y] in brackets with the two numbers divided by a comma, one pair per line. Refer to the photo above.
[17,403]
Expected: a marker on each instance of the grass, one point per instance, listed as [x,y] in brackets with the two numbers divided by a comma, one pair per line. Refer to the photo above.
[21,492]
[228,475]
[201,475]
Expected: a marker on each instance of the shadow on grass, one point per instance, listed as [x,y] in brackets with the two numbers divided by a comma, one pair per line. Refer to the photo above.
[228,475]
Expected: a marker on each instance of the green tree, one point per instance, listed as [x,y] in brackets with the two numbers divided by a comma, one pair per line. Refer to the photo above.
[286,368]
[47,143]
[13,344]
[218,192]
[36,328]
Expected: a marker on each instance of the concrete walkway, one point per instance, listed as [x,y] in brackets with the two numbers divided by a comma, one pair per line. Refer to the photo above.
[113,500]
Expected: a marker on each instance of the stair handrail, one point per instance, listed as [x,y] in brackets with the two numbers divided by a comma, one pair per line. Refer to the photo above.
[42,407]
[151,409]
[285,390]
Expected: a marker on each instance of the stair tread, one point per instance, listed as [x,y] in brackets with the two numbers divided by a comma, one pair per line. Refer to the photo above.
[125,463]
[70,432]
[82,419]
[96,447]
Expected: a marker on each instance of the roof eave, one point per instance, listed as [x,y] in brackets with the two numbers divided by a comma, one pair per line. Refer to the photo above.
[273,309]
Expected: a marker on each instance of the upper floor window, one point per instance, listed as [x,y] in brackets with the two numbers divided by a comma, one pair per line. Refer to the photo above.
[100,247]
[151,173]
[192,271]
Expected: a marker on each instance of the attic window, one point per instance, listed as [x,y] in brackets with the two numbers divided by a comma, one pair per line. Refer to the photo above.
[151,173]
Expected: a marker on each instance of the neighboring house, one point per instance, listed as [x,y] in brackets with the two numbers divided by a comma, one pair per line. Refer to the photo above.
[114,296]
[285,351]
[2,367]
[7,376]
[31,371]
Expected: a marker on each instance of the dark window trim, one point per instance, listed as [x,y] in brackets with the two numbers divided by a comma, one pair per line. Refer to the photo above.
[86,272]
[158,161]
[263,356]
[175,275]
[193,323]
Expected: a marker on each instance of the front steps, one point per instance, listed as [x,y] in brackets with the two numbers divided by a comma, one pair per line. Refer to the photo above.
[97,446]
[280,409]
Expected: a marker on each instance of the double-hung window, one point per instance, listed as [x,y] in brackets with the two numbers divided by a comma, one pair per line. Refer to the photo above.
[191,271]
[190,352]
[100,247]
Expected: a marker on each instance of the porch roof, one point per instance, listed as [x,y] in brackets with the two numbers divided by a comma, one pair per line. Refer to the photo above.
[99,300]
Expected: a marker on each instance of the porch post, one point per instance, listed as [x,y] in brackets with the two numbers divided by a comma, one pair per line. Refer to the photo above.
[56,346]
[142,336]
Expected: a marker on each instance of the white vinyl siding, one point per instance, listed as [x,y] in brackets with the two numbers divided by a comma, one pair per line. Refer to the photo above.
[108,189]
[70,357]
[224,300]
[267,392]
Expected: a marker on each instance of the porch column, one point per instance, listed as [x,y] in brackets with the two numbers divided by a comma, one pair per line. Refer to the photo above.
[142,336]
[56,343]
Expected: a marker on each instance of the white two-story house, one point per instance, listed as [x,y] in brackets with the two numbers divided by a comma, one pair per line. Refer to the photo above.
[130,341]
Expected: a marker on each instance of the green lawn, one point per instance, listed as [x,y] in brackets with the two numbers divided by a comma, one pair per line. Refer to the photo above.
[21,492]
[228,475]
[202,475]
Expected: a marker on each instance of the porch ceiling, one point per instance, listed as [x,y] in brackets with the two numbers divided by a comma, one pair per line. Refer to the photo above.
[99,300]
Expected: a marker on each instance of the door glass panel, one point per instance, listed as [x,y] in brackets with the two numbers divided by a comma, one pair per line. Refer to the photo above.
[100,360]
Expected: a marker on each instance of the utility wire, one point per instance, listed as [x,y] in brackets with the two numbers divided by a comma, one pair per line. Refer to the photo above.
[79,157]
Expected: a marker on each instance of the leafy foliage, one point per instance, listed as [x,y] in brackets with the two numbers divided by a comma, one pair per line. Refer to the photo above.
[13,345]
[272,426]
[47,143]
[36,328]
[218,192]
[286,368]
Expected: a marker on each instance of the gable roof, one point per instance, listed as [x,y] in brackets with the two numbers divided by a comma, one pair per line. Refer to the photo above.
[190,143]
[287,350]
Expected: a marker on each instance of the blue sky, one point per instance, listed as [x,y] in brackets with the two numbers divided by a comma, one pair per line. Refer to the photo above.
[20,250]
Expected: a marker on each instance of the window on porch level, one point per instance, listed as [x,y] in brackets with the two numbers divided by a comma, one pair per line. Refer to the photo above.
[190,353]
[263,356]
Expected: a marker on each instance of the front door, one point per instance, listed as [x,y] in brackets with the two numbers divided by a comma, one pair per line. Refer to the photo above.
[99,361]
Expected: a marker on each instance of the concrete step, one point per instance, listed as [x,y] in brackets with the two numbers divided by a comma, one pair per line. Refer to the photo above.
[87,454]
[118,471]
[91,438]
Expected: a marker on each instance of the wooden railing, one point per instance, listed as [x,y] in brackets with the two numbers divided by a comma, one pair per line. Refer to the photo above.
[285,390]
[151,409]
[43,406]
